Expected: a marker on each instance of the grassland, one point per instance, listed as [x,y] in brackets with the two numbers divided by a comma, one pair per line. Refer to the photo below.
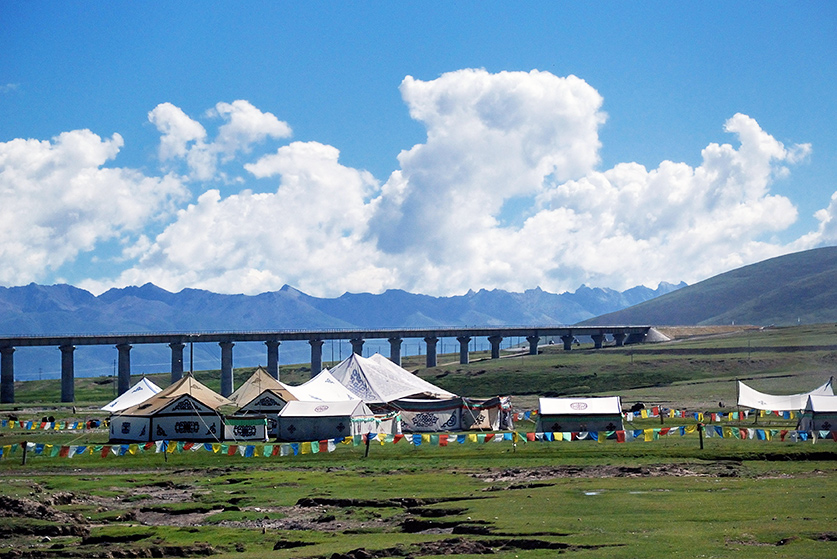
[733,498]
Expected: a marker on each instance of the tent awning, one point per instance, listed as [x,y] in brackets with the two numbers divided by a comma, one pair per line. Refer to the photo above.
[750,398]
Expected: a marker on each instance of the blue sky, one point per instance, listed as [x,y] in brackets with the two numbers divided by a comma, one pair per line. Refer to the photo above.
[372,146]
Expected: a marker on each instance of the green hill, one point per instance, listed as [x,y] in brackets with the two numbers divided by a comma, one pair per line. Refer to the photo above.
[795,288]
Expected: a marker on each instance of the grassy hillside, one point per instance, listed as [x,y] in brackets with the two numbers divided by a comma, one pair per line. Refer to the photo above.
[791,289]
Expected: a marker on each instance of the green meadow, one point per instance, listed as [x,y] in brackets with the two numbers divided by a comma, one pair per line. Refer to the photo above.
[662,498]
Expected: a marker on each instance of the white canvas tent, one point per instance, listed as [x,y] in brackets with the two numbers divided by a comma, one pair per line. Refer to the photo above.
[322,388]
[377,380]
[750,398]
[317,421]
[262,394]
[185,411]
[579,414]
[820,413]
[137,394]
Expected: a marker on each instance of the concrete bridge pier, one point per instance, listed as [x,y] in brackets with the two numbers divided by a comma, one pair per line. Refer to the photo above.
[316,357]
[395,350]
[226,368]
[568,341]
[68,379]
[619,339]
[636,338]
[7,375]
[176,361]
[463,349]
[357,346]
[533,344]
[431,342]
[598,340]
[123,369]
[273,358]
[495,342]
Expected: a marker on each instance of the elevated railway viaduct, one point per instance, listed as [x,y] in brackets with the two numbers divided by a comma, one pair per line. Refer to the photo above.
[226,340]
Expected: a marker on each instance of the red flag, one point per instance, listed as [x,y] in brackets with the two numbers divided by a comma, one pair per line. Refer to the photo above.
[397,438]
[530,437]
[489,436]
[105,451]
[64,452]
[443,440]
[324,446]
[620,436]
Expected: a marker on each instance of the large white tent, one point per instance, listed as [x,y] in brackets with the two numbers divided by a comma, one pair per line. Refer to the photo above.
[820,413]
[377,380]
[322,388]
[137,394]
[750,398]
[316,421]
[579,414]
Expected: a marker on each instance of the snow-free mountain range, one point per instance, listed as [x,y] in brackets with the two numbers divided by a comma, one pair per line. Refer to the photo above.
[795,288]
[64,309]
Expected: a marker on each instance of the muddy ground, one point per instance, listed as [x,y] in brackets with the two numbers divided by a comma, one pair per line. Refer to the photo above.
[40,521]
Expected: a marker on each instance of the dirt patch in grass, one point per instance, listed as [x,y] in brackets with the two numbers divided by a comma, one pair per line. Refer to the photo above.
[526,478]
[461,546]
[12,507]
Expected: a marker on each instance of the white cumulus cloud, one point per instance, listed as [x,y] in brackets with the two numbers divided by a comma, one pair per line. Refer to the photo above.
[58,200]
[309,233]
[185,138]
[490,137]
[522,143]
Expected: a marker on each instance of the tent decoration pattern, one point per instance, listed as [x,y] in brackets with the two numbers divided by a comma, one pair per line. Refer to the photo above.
[427,416]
